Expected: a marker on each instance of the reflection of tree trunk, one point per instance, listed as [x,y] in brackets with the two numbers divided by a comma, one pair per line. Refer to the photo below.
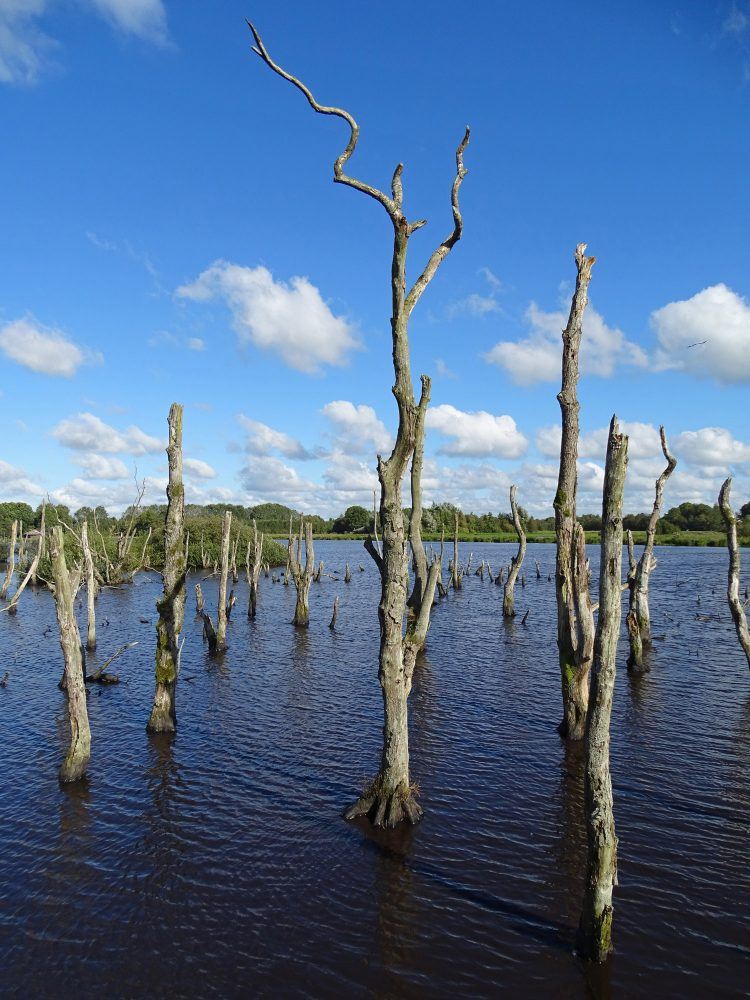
[74,766]
[574,664]
[595,929]
[733,579]
[171,607]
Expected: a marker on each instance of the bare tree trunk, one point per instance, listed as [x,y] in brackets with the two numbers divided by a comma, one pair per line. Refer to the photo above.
[517,561]
[334,616]
[21,542]
[253,567]
[199,603]
[347,574]
[302,575]
[11,560]
[88,563]
[40,545]
[235,574]
[74,766]
[455,567]
[12,608]
[390,797]
[221,631]
[639,617]
[171,607]
[733,578]
[573,670]
[595,929]
[418,554]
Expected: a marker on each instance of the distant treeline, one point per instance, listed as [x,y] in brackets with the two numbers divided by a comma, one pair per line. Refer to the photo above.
[273,519]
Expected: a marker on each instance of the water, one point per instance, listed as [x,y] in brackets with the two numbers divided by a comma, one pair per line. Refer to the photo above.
[218,865]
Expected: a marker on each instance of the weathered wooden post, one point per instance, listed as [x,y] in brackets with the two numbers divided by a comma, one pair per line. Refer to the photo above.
[639,575]
[595,928]
[171,607]
[733,577]
[574,661]
[517,561]
[65,585]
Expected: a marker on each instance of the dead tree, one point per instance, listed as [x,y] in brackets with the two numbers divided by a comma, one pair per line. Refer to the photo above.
[12,608]
[334,616]
[595,928]
[65,585]
[347,574]
[418,554]
[733,578]
[199,603]
[221,630]
[390,797]
[456,572]
[302,575]
[235,574]
[11,560]
[171,606]
[517,561]
[253,564]
[574,666]
[639,618]
[91,588]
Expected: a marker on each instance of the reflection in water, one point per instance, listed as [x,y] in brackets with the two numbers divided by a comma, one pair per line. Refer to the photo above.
[216,862]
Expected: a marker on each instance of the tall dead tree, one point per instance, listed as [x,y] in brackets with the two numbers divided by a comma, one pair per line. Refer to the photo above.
[456,572]
[302,574]
[12,608]
[418,554]
[65,584]
[390,798]
[509,610]
[253,564]
[11,560]
[574,657]
[91,588]
[595,928]
[171,606]
[221,629]
[639,575]
[733,577]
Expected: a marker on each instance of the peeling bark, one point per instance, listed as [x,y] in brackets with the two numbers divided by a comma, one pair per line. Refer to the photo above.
[574,667]
[517,561]
[64,588]
[733,577]
[595,929]
[171,607]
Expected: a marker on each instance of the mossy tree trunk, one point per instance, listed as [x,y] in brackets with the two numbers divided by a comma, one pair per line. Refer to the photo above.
[171,606]
[574,662]
[509,610]
[595,928]
[11,560]
[64,588]
[733,576]
[302,574]
[639,575]
[390,799]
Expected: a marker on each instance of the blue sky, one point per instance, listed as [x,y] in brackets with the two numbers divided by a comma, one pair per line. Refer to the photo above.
[171,232]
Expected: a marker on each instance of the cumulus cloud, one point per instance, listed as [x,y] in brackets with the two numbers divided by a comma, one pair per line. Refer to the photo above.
[538,357]
[268,477]
[477,434]
[102,467]
[644,441]
[711,446]
[357,427]
[43,349]
[145,18]
[262,440]
[291,319]
[15,483]
[477,304]
[200,469]
[87,432]
[707,335]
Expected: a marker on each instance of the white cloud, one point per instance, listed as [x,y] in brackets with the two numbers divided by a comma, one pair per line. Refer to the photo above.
[43,349]
[358,427]
[349,475]
[145,18]
[290,319]
[477,304]
[269,477]
[644,441]
[199,468]
[262,440]
[707,335]
[478,434]
[101,467]
[442,369]
[195,344]
[538,357]
[87,432]
[711,446]
[15,483]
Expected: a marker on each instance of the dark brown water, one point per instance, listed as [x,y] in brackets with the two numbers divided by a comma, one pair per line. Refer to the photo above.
[217,865]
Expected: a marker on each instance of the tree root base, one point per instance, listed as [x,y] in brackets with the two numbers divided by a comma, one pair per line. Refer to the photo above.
[72,770]
[386,807]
